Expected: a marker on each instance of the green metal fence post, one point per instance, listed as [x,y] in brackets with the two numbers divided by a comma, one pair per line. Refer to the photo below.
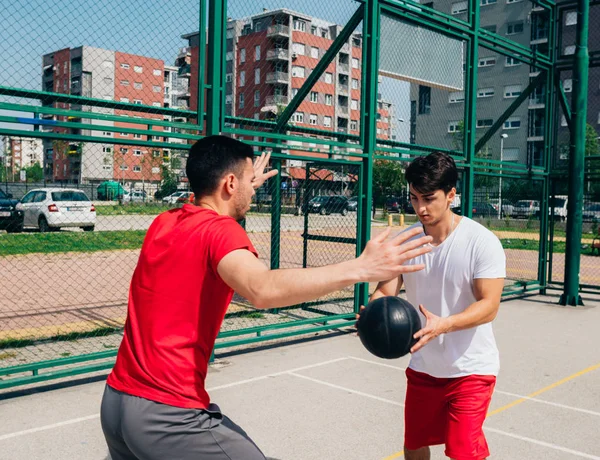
[471,110]
[216,41]
[370,67]
[276,216]
[571,295]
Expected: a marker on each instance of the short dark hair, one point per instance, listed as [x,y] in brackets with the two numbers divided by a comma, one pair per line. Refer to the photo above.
[436,171]
[211,158]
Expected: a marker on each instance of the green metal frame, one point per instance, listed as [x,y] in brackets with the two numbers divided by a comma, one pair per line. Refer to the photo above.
[271,134]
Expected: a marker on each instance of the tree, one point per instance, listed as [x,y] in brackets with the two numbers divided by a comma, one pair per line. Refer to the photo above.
[388,178]
[168,184]
[592,167]
[34,173]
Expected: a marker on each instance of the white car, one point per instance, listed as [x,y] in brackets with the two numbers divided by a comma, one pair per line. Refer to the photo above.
[173,197]
[53,208]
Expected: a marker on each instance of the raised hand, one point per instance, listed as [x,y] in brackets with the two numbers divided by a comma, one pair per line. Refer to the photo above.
[384,259]
[259,170]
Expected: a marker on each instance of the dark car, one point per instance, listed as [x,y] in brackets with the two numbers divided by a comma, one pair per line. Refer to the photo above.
[353,203]
[399,204]
[11,218]
[479,209]
[329,205]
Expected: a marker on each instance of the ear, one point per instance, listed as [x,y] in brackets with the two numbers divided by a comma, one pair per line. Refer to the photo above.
[451,195]
[230,183]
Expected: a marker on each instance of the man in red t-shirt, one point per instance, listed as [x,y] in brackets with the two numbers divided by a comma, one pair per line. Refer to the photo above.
[155,404]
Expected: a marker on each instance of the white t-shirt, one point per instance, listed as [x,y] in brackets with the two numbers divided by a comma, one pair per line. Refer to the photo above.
[445,287]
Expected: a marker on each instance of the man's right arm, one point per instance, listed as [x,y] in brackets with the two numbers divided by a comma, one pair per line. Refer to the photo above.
[266,288]
[387,288]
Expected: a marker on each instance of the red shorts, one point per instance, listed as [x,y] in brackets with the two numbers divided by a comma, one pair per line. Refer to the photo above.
[448,411]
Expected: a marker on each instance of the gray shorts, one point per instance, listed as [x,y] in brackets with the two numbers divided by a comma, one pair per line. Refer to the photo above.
[139,429]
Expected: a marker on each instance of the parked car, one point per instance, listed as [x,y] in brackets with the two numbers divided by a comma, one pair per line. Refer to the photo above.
[559,203]
[353,203]
[398,204]
[11,218]
[175,197]
[482,209]
[591,212]
[186,197]
[136,196]
[325,205]
[52,209]
[526,208]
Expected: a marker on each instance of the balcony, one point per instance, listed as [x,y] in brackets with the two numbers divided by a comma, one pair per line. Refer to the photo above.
[343,68]
[280,54]
[539,36]
[277,99]
[343,111]
[537,102]
[278,30]
[278,78]
[343,90]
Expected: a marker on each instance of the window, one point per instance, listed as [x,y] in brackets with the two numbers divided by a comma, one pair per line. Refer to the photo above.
[298,117]
[156,88]
[568,85]
[257,53]
[563,120]
[424,99]
[243,55]
[155,153]
[354,125]
[123,150]
[327,122]
[460,7]
[453,126]
[299,48]
[571,18]
[324,33]
[137,69]
[137,85]
[229,78]
[125,82]
[488,2]
[256,98]
[137,136]
[314,52]
[107,134]
[354,104]
[457,96]
[243,78]
[298,71]
[137,168]
[569,49]
[124,66]
[294,92]
[328,77]
[328,99]
[355,63]
[313,30]
[512,91]
[491,28]
[313,119]
[514,28]
[256,76]
[485,123]
[487,62]
[511,154]
[137,101]
[511,62]
[156,104]
[228,99]
[512,123]
[106,150]
[513,1]
[485,92]
[137,153]
[156,72]
[124,167]
[124,99]
[354,83]
[299,25]
[314,96]
[242,101]
[229,56]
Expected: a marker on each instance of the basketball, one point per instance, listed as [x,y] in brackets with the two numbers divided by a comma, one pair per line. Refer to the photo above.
[387,325]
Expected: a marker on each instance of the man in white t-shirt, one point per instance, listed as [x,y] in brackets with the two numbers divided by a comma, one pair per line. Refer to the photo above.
[454,364]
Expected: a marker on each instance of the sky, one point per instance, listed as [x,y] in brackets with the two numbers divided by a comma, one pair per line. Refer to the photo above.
[31,28]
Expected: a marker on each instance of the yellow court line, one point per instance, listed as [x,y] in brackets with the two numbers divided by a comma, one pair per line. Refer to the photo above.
[522,400]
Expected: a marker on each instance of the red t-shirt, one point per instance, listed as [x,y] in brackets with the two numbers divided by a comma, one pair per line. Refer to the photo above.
[177,302]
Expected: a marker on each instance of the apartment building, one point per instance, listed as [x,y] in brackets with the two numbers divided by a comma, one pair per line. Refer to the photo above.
[20,153]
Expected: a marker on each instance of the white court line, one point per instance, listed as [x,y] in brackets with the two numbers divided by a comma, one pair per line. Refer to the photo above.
[550,403]
[507,393]
[48,427]
[541,443]
[338,387]
[220,387]
[377,363]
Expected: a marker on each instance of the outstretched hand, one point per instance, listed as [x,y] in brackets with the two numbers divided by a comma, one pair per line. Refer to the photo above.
[434,327]
[260,176]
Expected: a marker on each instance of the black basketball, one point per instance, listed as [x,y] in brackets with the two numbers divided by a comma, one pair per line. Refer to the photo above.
[386,327]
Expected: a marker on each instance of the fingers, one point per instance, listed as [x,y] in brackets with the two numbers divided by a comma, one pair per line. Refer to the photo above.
[407,235]
[416,244]
[271,173]
[382,236]
[424,310]
[408,255]
[410,268]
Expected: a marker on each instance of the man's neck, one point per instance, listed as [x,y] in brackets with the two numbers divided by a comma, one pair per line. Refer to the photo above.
[442,229]
[208,203]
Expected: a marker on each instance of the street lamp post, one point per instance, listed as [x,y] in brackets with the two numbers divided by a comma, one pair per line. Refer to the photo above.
[502,137]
